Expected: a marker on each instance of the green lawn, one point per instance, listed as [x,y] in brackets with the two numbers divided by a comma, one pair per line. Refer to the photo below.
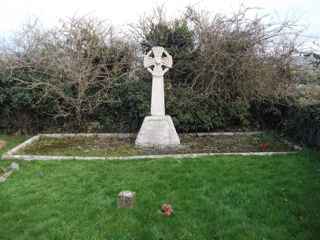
[231,197]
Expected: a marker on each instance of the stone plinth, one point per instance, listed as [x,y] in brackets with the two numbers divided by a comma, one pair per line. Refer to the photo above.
[157,131]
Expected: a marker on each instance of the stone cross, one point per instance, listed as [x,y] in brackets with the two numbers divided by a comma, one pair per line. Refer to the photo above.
[157,65]
[158,129]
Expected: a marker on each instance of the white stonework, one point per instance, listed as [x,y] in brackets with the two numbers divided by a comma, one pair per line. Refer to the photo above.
[13,154]
[157,129]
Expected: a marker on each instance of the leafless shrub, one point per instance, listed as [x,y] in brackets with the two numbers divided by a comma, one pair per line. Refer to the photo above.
[221,65]
[71,66]
[242,57]
[237,57]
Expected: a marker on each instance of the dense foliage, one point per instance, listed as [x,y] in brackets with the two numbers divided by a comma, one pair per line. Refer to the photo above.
[303,124]
[80,77]
[298,121]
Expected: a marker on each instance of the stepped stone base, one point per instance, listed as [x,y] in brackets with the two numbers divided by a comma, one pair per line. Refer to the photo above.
[157,131]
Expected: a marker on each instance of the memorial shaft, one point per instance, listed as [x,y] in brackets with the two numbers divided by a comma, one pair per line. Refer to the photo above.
[157,96]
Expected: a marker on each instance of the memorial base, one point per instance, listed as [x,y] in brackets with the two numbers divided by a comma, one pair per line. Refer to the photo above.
[157,131]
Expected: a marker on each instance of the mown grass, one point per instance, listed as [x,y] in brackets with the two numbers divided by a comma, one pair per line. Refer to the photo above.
[228,197]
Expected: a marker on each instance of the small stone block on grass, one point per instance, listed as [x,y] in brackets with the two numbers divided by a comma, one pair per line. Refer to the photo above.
[126,199]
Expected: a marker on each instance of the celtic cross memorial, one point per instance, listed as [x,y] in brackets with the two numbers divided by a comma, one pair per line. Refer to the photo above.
[157,129]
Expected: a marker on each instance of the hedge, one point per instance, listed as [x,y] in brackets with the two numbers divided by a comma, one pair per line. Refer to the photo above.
[299,122]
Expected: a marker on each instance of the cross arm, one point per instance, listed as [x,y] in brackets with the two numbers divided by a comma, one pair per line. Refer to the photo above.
[167,60]
[148,61]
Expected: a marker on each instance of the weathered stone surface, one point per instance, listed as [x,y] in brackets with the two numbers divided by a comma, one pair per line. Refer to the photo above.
[126,199]
[157,131]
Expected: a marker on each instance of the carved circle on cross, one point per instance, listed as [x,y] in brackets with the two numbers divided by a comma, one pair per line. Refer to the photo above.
[160,63]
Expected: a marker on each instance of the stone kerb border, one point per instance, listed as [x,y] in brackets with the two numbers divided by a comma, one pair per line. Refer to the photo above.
[12,154]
